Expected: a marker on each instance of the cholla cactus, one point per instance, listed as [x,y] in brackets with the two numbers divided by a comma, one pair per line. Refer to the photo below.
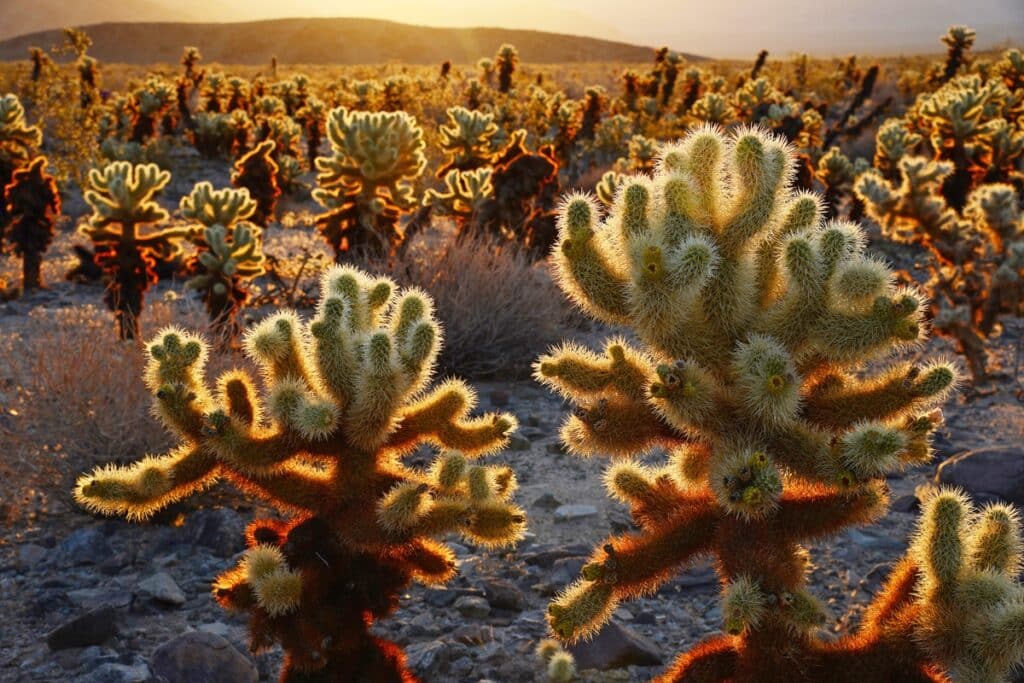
[463,197]
[505,62]
[213,134]
[151,102]
[958,40]
[837,173]
[345,396]
[365,183]
[893,142]
[229,251]
[609,186]
[122,197]
[975,266]
[560,666]
[1010,68]
[17,142]
[257,172]
[467,139]
[33,203]
[712,107]
[755,320]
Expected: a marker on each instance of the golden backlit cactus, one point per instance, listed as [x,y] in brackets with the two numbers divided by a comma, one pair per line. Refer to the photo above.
[18,140]
[229,251]
[754,319]
[365,184]
[123,200]
[467,138]
[344,397]
[463,196]
[975,260]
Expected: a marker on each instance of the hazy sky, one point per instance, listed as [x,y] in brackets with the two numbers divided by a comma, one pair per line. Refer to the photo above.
[718,28]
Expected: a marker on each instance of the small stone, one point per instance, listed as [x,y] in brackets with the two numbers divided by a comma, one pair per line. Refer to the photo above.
[573,511]
[906,503]
[702,574]
[615,647]
[222,530]
[439,597]
[472,607]
[111,672]
[92,628]
[503,594]
[518,442]
[426,659]
[566,570]
[30,554]
[85,546]
[161,588]
[547,501]
[198,657]
[556,448]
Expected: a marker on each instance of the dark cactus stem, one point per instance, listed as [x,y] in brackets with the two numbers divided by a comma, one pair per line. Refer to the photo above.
[762,57]
[33,201]
[669,86]
[958,185]
[591,117]
[446,69]
[184,113]
[505,71]
[867,86]
[692,93]
[257,171]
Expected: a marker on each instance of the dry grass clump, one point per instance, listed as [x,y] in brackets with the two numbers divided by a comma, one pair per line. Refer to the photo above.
[70,394]
[498,309]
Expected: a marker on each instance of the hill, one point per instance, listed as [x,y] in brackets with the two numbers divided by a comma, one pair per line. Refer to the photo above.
[327,41]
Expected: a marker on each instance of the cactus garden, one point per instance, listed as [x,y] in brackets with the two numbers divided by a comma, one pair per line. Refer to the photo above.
[523,356]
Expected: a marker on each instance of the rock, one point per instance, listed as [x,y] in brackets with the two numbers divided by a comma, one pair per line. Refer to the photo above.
[702,574]
[116,673]
[426,659]
[222,530]
[573,511]
[875,577]
[566,570]
[518,442]
[161,588]
[503,594]
[499,398]
[987,474]
[547,501]
[472,607]
[92,628]
[30,554]
[615,647]
[85,546]
[199,657]
[872,539]
[547,558]
[556,448]
[439,597]
[906,503]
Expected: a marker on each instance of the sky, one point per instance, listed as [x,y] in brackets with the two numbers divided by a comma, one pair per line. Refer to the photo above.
[717,28]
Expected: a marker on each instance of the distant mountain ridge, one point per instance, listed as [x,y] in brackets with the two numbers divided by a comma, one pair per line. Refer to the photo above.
[327,41]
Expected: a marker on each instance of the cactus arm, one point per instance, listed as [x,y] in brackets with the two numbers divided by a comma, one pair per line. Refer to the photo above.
[617,426]
[817,511]
[139,490]
[895,596]
[575,371]
[841,402]
[712,659]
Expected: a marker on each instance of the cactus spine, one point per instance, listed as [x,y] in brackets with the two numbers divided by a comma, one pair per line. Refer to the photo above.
[345,396]
[755,319]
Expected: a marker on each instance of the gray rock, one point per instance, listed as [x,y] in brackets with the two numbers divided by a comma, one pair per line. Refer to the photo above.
[199,657]
[222,530]
[439,597]
[427,659]
[472,607]
[117,673]
[161,588]
[993,473]
[615,647]
[92,628]
[85,546]
[547,501]
[906,503]
[518,442]
[702,574]
[503,594]
[567,513]
[30,554]
[566,570]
